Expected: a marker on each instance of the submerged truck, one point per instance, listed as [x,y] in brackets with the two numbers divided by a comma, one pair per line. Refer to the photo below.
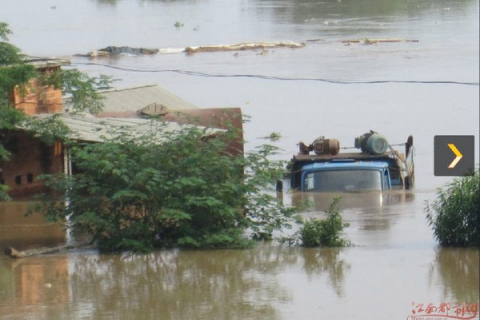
[376,166]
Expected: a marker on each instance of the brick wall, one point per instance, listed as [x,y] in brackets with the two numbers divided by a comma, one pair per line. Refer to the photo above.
[29,159]
[39,99]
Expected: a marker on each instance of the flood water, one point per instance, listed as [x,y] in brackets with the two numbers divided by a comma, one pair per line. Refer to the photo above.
[326,88]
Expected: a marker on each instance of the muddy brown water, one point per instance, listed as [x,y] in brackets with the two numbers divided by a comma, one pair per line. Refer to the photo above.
[395,264]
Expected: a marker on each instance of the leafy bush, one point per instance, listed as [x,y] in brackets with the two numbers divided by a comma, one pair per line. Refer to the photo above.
[134,193]
[455,215]
[322,233]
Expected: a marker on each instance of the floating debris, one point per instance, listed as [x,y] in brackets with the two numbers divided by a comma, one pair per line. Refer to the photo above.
[171,50]
[315,40]
[263,52]
[114,51]
[126,51]
[375,41]
[245,46]
[274,136]
[15,254]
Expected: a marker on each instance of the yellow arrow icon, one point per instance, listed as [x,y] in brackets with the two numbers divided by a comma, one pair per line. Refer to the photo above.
[457,158]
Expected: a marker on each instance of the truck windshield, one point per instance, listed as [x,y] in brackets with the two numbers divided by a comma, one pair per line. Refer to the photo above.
[343,180]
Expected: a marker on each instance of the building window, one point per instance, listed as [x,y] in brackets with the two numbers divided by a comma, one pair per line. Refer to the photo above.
[11,143]
[30,177]
[18,180]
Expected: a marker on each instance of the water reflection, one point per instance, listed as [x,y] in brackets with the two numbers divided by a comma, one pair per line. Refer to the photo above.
[220,284]
[22,232]
[320,201]
[115,2]
[107,2]
[308,11]
[457,271]
[330,12]
[327,260]
[373,217]
[176,284]
[28,285]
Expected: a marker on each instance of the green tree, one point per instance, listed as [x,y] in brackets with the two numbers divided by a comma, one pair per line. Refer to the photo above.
[455,215]
[134,193]
[16,72]
[13,72]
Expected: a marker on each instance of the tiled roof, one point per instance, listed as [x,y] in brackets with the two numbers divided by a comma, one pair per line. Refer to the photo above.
[43,62]
[92,129]
[138,98]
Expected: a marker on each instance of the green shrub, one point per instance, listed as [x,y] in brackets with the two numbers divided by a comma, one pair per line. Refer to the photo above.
[133,193]
[322,232]
[454,216]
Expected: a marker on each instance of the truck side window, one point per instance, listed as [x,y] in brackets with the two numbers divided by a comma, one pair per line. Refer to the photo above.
[386,184]
[309,182]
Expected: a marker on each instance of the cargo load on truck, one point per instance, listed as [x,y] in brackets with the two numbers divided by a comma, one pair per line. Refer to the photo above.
[376,166]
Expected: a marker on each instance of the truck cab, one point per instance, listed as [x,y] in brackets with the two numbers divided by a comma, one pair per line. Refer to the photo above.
[346,176]
[377,167]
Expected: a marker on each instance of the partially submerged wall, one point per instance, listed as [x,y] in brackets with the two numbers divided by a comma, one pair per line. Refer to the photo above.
[30,158]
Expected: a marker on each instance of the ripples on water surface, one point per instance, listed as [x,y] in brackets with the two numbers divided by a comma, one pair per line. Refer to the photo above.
[395,265]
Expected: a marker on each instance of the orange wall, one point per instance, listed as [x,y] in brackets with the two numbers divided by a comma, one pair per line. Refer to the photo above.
[39,99]
[30,158]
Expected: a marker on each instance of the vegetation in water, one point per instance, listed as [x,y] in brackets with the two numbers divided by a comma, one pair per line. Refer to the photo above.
[134,193]
[455,215]
[322,232]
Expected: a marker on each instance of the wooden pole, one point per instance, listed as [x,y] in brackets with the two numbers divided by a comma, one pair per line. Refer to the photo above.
[15,254]
[12,253]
